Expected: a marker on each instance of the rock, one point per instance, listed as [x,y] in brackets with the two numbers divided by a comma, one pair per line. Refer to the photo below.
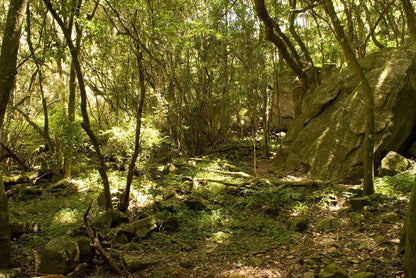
[328,136]
[59,256]
[309,275]
[133,263]
[364,275]
[359,203]
[298,223]
[170,205]
[412,150]
[390,217]
[380,239]
[392,164]
[28,193]
[171,224]
[333,271]
[195,203]
[19,228]
[8,274]
[86,251]
[328,224]
[139,228]
[364,245]
[109,219]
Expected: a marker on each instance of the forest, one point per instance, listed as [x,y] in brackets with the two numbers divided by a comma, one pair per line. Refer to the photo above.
[196,138]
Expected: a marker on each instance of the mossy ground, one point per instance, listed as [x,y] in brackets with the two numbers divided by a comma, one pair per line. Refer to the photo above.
[242,231]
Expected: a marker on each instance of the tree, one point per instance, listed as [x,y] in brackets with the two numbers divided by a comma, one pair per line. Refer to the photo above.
[410,237]
[76,63]
[8,60]
[411,18]
[368,154]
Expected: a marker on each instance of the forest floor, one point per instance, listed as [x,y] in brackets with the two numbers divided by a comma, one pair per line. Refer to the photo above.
[225,223]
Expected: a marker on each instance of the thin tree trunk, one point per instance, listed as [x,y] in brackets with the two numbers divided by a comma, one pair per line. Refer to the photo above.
[71,113]
[282,43]
[84,111]
[8,59]
[410,237]
[368,153]
[124,203]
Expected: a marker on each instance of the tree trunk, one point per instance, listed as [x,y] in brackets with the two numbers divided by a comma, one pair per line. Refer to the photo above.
[71,114]
[8,59]
[83,94]
[368,154]
[410,17]
[124,203]
[410,238]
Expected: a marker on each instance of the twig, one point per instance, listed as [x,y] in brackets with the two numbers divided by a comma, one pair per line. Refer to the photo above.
[92,233]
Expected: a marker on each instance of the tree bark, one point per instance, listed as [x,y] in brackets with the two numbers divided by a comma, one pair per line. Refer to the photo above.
[368,155]
[8,60]
[410,237]
[410,17]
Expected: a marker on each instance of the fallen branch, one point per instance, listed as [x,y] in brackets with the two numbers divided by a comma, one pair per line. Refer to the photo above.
[297,183]
[16,158]
[233,174]
[92,233]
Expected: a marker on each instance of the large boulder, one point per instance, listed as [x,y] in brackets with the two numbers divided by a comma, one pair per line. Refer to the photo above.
[327,138]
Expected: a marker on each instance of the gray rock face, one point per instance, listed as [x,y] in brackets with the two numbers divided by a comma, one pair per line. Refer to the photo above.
[393,164]
[328,137]
[59,256]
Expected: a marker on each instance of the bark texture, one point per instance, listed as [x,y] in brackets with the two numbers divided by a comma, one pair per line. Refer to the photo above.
[410,243]
[8,59]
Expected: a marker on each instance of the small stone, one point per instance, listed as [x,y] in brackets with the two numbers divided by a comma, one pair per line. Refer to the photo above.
[390,217]
[171,224]
[109,219]
[309,275]
[333,271]
[328,224]
[139,228]
[298,223]
[256,262]
[359,203]
[380,239]
[364,245]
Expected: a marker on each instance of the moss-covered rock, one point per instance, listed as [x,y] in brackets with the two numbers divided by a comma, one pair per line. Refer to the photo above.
[298,223]
[393,163]
[109,219]
[359,203]
[328,224]
[333,271]
[134,263]
[139,228]
[59,256]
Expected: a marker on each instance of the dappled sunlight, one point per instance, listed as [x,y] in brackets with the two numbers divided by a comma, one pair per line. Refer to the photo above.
[251,271]
[66,216]
[383,77]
